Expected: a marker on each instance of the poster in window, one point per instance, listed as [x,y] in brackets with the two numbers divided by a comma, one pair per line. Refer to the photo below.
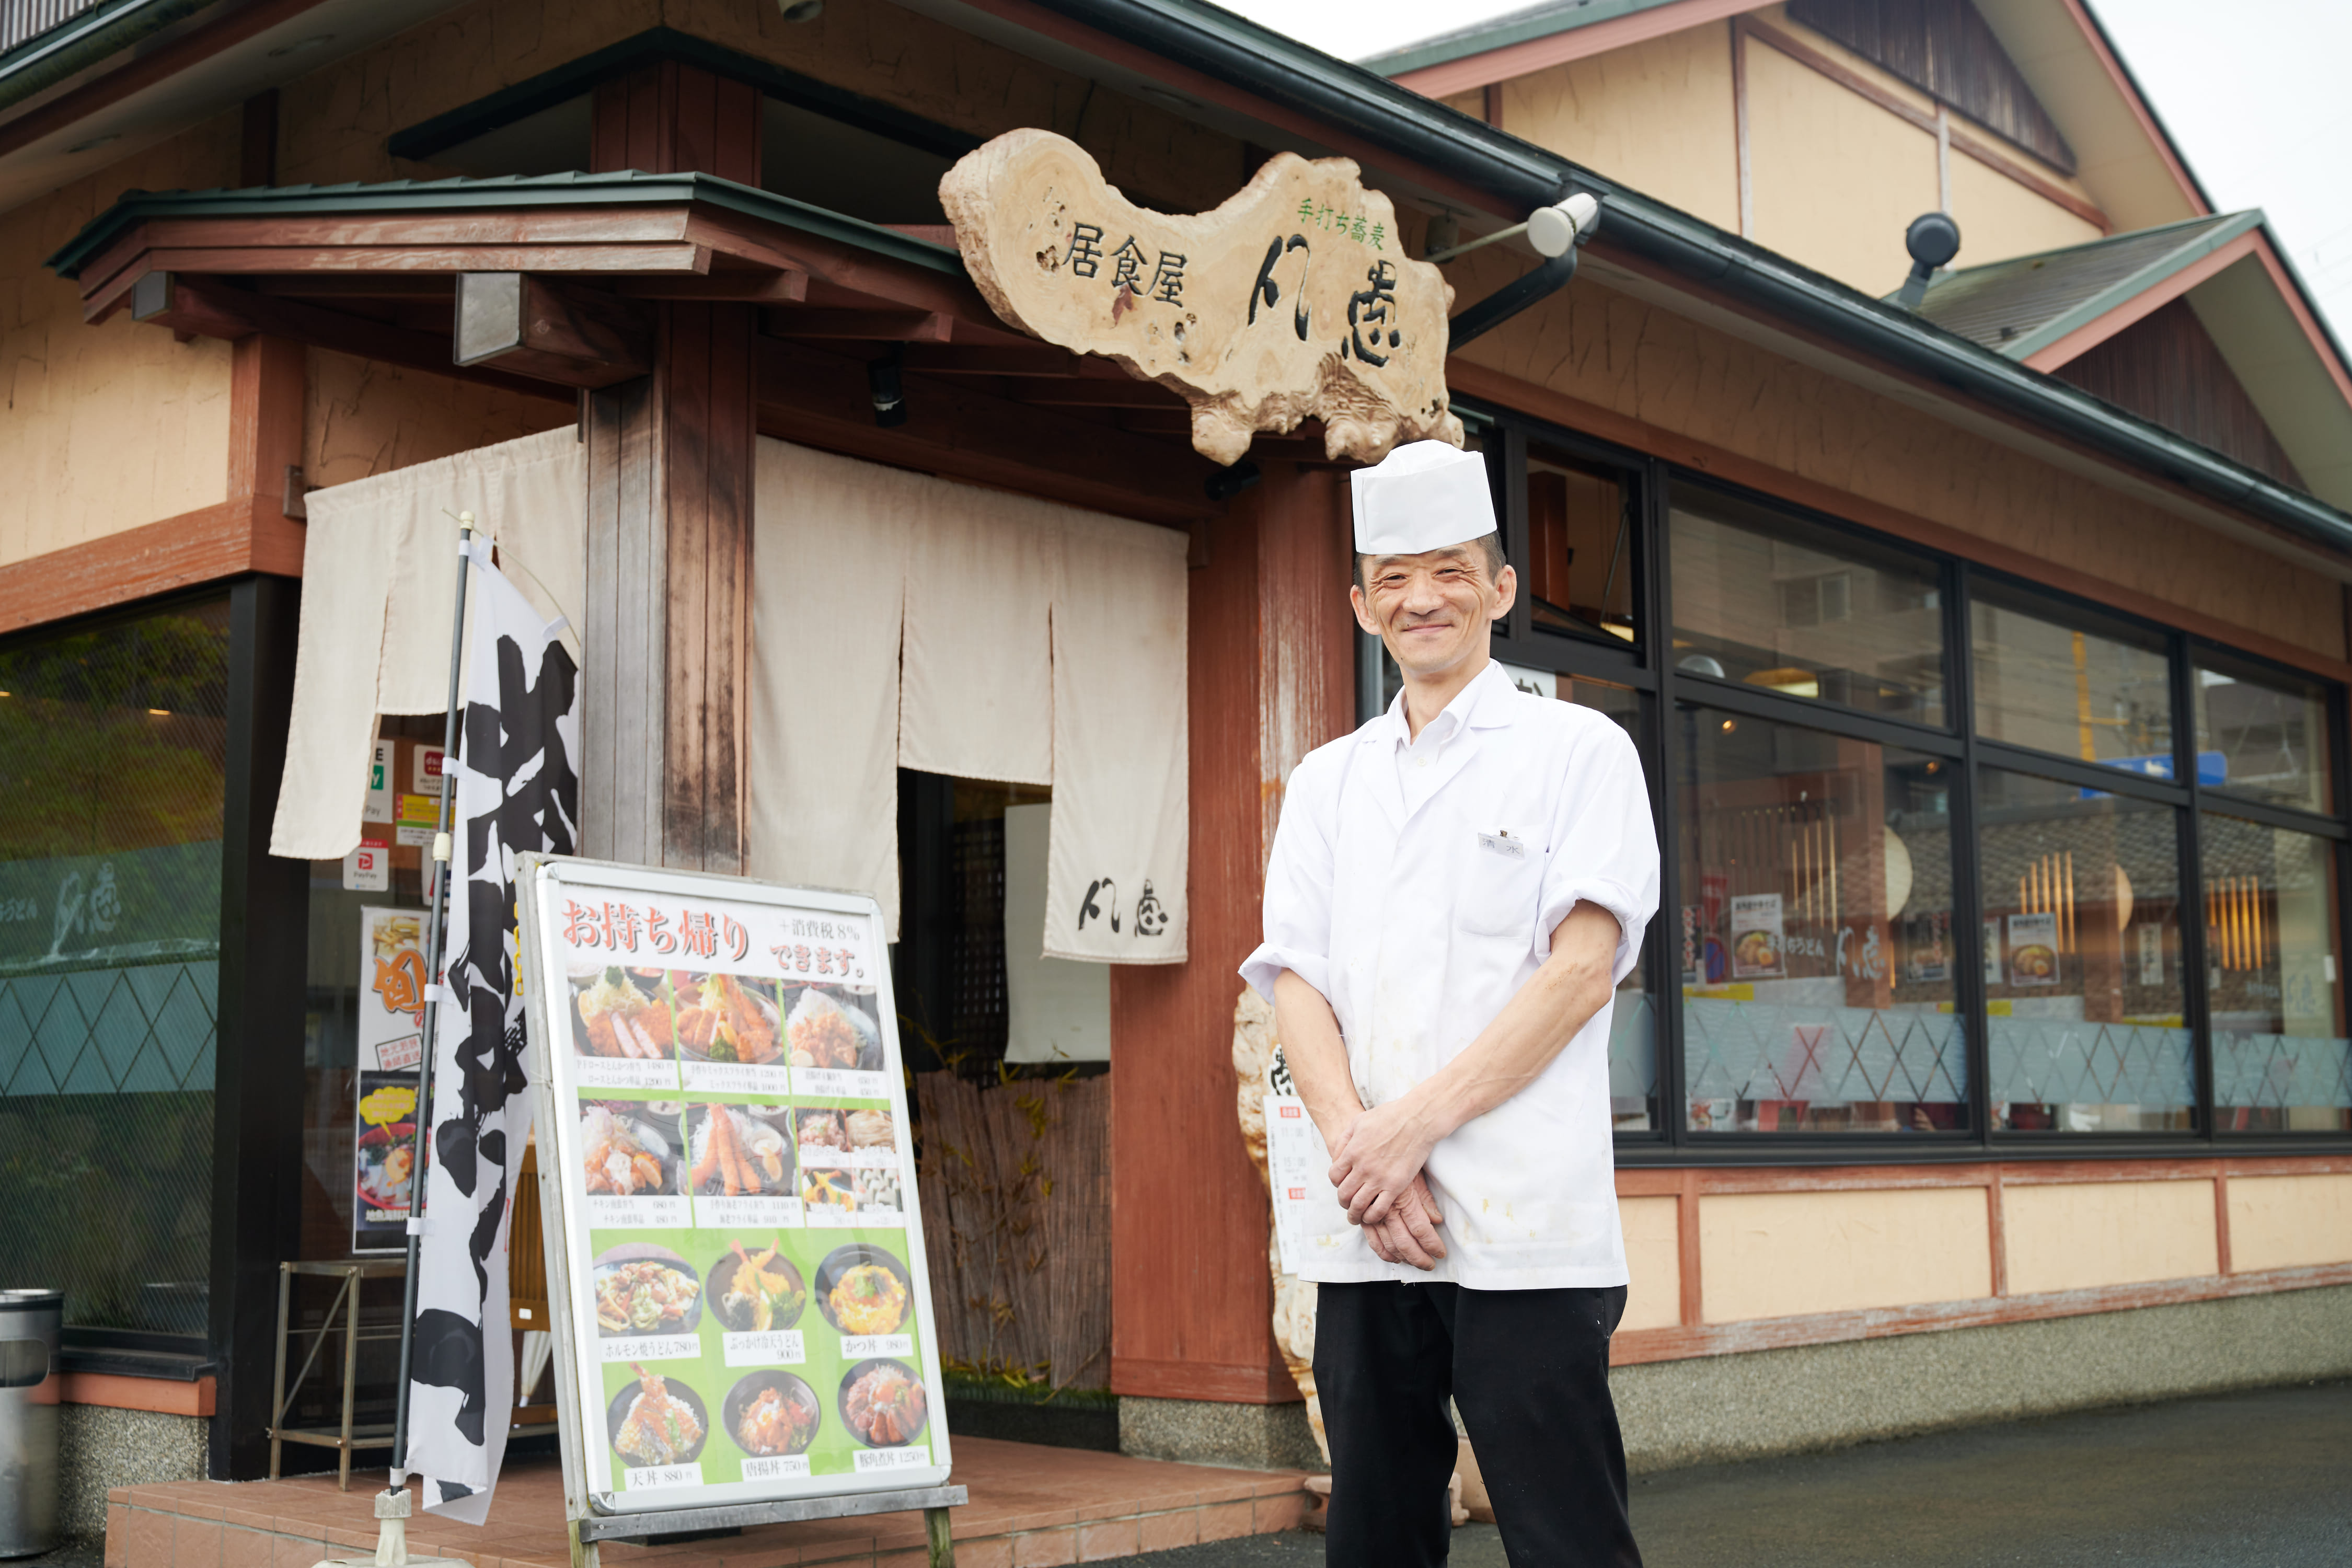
[2151,954]
[1756,937]
[2033,950]
[735,1248]
[392,989]
[383,1160]
[1993,972]
[1927,948]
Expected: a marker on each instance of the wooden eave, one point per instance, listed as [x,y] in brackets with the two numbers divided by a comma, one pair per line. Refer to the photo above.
[354,272]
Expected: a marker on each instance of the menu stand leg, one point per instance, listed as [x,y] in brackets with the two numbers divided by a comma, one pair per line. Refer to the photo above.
[350,1370]
[937,1525]
[278,1380]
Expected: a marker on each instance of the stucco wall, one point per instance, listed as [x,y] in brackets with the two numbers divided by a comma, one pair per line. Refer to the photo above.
[336,120]
[104,429]
[2075,1237]
[362,417]
[2000,218]
[1836,178]
[1655,115]
[2290,1222]
[1776,1255]
[1649,363]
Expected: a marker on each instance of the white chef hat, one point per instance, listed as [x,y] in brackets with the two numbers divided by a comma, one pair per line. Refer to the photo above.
[1422,496]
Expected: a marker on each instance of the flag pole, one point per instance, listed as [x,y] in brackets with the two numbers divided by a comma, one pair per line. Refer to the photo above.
[435,895]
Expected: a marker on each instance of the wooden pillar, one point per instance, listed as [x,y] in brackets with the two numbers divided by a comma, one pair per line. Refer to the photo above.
[670,522]
[1270,661]
[669,562]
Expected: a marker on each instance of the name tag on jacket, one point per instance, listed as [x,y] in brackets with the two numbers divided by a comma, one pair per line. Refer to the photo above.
[1503,843]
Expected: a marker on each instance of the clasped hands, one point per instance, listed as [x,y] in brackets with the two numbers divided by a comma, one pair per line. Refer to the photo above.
[1377,1167]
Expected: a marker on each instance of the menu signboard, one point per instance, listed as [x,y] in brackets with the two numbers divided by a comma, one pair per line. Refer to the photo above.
[728,1191]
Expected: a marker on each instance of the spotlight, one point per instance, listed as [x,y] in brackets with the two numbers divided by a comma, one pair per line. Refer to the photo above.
[800,10]
[886,389]
[1227,483]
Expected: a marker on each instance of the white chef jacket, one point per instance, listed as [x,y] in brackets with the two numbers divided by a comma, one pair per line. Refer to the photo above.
[1416,884]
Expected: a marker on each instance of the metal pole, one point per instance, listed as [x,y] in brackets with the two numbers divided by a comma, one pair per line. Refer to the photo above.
[436,891]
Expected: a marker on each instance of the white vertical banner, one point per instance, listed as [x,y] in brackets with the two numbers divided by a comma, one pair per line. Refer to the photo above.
[518,790]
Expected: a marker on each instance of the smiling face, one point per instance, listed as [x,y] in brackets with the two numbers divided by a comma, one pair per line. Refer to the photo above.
[1434,610]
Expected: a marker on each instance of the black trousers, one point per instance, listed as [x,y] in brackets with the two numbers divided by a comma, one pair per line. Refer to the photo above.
[1529,1371]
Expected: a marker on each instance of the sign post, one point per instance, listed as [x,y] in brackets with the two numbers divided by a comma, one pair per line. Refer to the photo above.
[735,1262]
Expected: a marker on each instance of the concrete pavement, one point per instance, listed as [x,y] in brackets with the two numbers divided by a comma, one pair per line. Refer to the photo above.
[2251,1480]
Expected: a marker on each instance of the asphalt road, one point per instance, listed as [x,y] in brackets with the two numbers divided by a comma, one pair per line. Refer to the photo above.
[2251,1480]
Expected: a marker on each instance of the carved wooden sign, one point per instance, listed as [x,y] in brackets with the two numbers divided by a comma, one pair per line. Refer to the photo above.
[1294,299]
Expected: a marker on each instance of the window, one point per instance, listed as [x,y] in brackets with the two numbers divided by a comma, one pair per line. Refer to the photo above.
[1633,1025]
[2085,1001]
[2263,737]
[1762,602]
[2281,1062]
[2054,687]
[1815,932]
[113,742]
[1578,577]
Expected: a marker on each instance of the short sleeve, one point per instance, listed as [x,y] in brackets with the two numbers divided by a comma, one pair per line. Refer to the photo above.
[1297,906]
[1604,844]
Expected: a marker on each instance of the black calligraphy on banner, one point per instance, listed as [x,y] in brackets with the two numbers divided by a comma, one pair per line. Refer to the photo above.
[1135,270]
[517,791]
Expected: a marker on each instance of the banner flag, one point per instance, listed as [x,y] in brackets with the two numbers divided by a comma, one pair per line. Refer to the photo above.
[518,790]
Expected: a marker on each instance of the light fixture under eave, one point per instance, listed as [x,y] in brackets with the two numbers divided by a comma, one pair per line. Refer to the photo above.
[302,46]
[800,10]
[159,712]
[95,142]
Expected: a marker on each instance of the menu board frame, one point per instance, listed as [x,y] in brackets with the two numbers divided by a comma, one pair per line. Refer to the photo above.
[756,918]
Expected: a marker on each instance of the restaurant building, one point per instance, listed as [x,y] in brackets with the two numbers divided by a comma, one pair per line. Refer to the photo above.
[1987,651]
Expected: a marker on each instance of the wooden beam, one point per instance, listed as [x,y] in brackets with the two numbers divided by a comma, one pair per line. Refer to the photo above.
[1071,392]
[764,287]
[104,299]
[267,382]
[225,540]
[550,331]
[819,398]
[1040,360]
[669,118]
[878,326]
[209,309]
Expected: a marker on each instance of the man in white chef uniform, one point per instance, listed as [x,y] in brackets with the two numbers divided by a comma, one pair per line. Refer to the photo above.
[1455,892]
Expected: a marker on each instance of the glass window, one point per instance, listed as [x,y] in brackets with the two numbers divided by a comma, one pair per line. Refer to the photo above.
[2280,1059]
[2044,684]
[1579,575]
[112,748]
[2082,959]
[2265,738]
[1815,932]
[1633,1026]
[1760,602]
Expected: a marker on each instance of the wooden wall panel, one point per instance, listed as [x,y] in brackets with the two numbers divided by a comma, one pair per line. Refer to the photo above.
[1269,651]
[2166,368]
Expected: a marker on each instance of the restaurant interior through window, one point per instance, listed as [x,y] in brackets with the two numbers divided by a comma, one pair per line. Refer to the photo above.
[1949,858]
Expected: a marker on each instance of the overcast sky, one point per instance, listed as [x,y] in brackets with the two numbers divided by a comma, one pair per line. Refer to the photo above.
[2252,90]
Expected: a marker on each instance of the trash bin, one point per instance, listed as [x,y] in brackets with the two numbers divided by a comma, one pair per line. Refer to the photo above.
[28,1420]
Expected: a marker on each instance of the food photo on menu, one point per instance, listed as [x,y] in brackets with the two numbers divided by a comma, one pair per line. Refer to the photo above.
[833,1027]
[722,1018]
[753,1291]
[773,1415]
[739,1150]
[645,1289]
[863,1289]
[629,1147]
[882,1403]
[656,1420]
[622,1014]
